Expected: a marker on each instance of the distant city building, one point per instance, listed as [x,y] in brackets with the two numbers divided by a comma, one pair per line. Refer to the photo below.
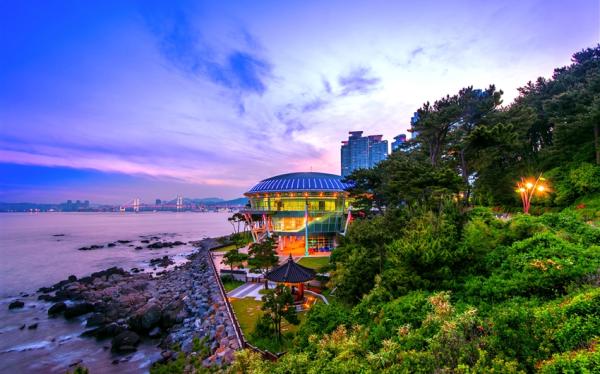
[398,141]
[158,202]
[413,121]
[362,152]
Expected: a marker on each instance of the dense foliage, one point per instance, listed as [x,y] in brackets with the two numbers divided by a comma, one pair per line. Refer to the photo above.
[432,279]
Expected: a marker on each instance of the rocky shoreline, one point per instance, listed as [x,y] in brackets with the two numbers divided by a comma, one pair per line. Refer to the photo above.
[174,308]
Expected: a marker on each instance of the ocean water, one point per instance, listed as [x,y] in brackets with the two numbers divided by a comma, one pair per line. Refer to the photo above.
[40,249]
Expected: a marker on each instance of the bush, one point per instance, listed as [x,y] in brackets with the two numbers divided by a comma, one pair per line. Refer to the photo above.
[585,361]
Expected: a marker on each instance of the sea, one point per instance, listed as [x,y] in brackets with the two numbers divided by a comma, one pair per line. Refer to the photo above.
[41,249]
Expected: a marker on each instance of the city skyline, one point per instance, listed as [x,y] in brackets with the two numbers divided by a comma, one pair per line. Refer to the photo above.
[110,101]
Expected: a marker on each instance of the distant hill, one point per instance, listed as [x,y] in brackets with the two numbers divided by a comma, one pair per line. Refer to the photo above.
[238,201]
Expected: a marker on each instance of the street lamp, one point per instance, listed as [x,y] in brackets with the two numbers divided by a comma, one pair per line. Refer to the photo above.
[526,189]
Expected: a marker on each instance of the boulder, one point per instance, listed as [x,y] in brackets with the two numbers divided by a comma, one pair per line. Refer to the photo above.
[145,318]
[96,319]
[33,326]
[16,304]
[57,308]
[78,310]
[126,341]
[103,332]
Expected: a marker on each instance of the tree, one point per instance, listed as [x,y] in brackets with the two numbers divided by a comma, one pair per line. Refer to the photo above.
[278,305]
[262,257]
[236,220]
[474,106]
[234,258]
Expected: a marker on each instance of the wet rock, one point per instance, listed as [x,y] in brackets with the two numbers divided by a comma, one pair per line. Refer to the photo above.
[22,327]
[45,290]
[154,333]
[161,261]
[96,319]
[110,245]
[32,326]
[124,241]
[145,318]
[72,278]
[138,248]
[78,310]
[16,304]
[103,332]
[126,341]
[57,308]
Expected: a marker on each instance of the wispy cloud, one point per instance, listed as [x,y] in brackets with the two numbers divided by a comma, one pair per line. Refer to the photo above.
[358,81]
[235,66]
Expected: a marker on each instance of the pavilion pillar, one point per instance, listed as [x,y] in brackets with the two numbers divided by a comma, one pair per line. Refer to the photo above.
[301,290]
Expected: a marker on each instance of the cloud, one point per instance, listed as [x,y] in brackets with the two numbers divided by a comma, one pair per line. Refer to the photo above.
[313,105]
[225,62]
[358,81]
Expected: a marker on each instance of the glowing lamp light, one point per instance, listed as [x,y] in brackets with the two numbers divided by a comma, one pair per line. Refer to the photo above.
[526,189]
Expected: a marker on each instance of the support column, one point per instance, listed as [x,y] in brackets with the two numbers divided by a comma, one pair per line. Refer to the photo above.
[306,227]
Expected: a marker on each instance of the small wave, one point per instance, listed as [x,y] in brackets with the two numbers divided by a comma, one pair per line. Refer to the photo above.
[29,346]
[64,338]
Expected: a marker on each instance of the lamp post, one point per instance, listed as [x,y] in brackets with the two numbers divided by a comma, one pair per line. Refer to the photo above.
[527,188]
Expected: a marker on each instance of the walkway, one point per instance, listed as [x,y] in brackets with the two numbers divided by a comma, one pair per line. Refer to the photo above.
[249,290]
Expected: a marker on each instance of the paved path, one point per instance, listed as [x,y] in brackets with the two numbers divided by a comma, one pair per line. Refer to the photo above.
[249,290]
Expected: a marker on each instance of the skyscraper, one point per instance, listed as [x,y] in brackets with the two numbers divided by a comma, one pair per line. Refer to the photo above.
[398,141]
[362,152]
[413,121]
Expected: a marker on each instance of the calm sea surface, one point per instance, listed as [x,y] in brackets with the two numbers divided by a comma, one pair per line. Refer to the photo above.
[40,249]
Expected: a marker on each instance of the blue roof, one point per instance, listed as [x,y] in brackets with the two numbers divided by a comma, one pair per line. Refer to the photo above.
[301,182]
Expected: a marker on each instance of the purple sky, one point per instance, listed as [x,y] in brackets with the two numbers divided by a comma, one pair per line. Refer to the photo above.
[122,99]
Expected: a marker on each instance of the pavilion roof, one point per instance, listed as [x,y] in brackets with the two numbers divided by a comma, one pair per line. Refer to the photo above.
[291,272]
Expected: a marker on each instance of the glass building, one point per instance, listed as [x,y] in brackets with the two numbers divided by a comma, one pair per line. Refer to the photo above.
[298,206]
[398,141]
[362,152]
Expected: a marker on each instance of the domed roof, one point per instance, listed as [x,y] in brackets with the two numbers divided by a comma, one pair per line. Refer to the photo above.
[308,181]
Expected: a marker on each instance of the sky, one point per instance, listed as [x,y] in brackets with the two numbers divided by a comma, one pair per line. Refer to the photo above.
[111,100]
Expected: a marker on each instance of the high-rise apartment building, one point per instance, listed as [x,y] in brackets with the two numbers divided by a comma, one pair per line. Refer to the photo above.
[362,152]
[398,141]
[413,121]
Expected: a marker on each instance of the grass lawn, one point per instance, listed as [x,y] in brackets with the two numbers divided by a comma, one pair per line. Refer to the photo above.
[227,248]
[247,311]
[230,284]
[314,262]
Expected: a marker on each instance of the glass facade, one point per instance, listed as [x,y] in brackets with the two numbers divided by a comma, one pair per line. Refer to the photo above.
[362,152]
[398,141]
[298,205]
